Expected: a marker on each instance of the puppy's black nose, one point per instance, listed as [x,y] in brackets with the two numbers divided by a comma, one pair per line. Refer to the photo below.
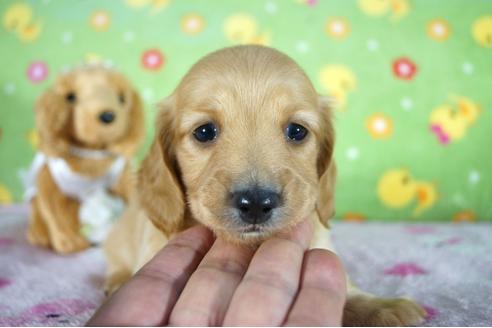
[107,117]
[255,205]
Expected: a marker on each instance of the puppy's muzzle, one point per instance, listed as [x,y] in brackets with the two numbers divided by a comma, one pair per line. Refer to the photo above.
[255,205]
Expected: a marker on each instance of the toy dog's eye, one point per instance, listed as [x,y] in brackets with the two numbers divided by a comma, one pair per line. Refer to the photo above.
[121,98]
[205,133]
[295,132]
[71,97]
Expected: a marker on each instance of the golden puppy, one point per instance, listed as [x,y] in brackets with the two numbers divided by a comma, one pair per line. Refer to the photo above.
[89,122]
[244,146]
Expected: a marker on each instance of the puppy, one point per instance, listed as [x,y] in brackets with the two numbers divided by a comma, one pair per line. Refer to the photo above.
[243,146]
[89,122]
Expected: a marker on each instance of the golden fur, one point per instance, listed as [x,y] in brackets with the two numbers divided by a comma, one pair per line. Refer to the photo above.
[251,93]
[62,123]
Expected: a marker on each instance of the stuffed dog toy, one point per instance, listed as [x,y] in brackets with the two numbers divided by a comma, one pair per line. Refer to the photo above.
[90,122]
[243,146]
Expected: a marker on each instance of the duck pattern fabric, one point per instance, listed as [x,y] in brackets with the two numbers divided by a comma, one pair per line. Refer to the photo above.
[410,81]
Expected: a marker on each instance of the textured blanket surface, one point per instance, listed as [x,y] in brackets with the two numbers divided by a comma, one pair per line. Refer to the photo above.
[446,268]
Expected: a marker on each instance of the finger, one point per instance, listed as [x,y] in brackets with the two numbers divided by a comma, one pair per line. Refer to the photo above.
[147,299]
[322,292]
[301,234]
[207,294]
[268,288]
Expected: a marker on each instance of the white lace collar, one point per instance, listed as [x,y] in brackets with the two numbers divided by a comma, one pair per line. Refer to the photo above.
[91,153]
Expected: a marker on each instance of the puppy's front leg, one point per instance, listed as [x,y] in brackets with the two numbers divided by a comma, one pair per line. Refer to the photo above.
[125,185]
[364,309]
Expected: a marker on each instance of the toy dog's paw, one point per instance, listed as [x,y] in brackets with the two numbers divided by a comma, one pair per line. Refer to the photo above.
[38,238]
[69,243]
[365,310]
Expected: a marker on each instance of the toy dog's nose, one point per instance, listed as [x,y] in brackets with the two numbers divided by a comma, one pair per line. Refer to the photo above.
[107,117]
[255,205]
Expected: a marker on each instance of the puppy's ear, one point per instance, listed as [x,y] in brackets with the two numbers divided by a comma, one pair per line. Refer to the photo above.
[325,205]
[160,190]
[129,144]
[53,116]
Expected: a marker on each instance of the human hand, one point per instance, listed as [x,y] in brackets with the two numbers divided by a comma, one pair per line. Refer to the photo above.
[198,281]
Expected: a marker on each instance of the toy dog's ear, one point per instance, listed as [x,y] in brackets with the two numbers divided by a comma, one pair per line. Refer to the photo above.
[161,193]
[325,205]
[133,139]
[52,122]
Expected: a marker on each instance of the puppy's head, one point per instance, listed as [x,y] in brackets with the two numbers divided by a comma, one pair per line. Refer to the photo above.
[90,107]
[243,144]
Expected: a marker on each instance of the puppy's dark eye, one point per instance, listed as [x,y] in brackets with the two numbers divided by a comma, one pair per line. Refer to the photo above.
[295,132]
[121,98]
[205,133]
[71,97]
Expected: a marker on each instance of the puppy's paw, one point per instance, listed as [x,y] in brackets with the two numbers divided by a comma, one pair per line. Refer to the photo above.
[365,310]
[115,281]
[110,287]
[69,243]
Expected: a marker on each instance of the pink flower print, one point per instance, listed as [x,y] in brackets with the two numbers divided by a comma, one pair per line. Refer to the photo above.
[49,314]
[4,282]
[450,241]
[431,312]
[442,136]
[312,3]
[152,59]
[405,269]
[59,311]
[6,241]
[417,230]
[37,71]
[404,68]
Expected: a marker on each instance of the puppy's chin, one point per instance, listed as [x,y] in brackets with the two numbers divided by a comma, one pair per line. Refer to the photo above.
[250,235]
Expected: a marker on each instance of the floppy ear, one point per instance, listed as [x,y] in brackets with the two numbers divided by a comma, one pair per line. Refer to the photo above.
[325,205]
[129,144]
[52,122]
[160,189]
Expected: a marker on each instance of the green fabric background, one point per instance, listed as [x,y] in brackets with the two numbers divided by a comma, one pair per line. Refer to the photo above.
[456,62]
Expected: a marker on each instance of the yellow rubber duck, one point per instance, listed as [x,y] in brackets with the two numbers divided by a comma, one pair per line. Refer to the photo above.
[155,5]
[5,195]
[426,196]
[399,8]
[337,81]
[354,217]
[138,3]
[243,29]
[397,189]
[464,216]
[374,7]
[33,138]
[19,19]
[93,58]
[482,31]
[378,8]
[449,122]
